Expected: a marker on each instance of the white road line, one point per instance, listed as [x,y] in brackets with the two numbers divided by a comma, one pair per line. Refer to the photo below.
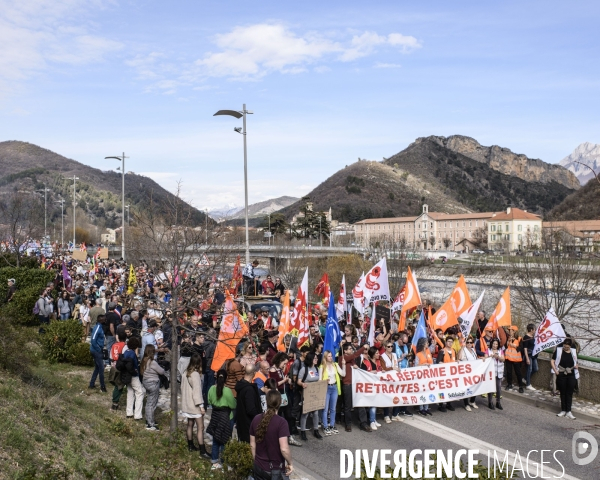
[469,442]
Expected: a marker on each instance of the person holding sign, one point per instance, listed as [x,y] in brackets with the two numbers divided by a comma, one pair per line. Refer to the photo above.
[497,354]
[564,364]
[331,371]
[309,373]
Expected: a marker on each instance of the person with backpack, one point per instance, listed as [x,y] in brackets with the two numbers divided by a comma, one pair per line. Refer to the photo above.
[150,371]
[96,347]
[42,307]
[309,373]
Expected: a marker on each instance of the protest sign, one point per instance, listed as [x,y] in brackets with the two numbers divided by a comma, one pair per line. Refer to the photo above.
[104,253]
[424,384]
[79,255]
[314,396]
[549,333]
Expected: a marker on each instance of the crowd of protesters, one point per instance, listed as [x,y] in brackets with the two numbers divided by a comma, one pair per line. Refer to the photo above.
[259,392]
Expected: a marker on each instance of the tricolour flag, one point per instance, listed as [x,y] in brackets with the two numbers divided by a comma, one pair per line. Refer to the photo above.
[233,329]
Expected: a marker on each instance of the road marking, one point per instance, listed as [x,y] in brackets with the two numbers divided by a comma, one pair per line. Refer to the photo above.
[472,443]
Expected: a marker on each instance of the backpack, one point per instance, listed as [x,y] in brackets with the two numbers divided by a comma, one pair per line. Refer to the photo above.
[120,365]
[36,308]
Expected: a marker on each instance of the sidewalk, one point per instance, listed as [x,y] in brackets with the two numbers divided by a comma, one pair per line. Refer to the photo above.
[544,399]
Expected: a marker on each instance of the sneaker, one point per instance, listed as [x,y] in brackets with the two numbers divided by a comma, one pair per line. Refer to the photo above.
[317,434]
[423,413]
[521,390]
[387,420]
[216,466]
[366,428]
[561,414]
[508,387]
[408,414]
[293,441]
[523,381]
[348,428]
[468,409]
[397,418]
[334,430]
[570,415]
[103,389]
[484,395]
[530,388]
[373,426]
[428,412]
[152,428]
[326,431]
[474,405]
[377,423]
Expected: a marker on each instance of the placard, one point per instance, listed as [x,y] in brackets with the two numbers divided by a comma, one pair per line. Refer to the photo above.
[79,255]
[104,253]
[314,396]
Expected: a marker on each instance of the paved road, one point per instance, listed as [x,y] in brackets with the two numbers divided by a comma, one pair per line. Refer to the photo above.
[519,427]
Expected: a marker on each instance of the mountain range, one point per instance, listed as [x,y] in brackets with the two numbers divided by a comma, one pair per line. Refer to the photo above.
[255,210]
[584,157]
[27,167]
[451,174]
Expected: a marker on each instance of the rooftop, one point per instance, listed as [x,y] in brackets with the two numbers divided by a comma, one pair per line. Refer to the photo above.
[515,214]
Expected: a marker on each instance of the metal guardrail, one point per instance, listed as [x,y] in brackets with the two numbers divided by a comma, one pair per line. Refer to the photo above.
[579,357]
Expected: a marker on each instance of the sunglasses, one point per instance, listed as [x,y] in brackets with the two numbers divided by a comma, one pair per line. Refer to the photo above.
[469,343]
[388,346]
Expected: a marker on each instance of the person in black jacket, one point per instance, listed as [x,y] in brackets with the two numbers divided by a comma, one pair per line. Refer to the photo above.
[209,352]
[248,403]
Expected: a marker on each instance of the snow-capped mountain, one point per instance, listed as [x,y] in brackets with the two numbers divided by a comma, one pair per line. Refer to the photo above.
[588,154]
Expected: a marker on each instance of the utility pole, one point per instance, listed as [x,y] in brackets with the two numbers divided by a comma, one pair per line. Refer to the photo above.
[74,207]
[122,160]
[127,207]
[62,221]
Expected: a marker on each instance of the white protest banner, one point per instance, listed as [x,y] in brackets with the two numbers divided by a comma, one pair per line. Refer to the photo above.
[376,286]
[423,384]
[549,333]
[468,317]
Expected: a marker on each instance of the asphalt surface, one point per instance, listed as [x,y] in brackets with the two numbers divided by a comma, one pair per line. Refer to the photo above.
[518,427]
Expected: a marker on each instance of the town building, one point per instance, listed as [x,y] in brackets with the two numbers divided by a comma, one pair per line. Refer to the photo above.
[454,232]
[580,235]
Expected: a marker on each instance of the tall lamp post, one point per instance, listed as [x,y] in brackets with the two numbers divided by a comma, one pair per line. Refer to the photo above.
[62,221]
[122,160]
[242,114]
[45,190]
[74,207]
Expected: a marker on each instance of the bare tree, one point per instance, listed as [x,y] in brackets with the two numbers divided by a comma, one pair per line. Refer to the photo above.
[432,241]
[21,219]
[447,242]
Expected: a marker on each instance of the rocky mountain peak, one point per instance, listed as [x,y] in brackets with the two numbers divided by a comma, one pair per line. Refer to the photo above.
[586,153]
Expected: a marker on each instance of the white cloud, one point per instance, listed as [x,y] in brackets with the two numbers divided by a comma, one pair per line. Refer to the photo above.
[35,34]
[251,52]
[387,65]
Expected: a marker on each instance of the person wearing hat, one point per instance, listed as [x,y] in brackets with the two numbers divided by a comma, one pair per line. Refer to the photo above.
[513,358]
[11,289]
[271,345]
[148,338]
[269,322]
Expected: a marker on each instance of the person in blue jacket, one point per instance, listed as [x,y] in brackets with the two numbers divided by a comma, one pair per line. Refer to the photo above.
[96,347]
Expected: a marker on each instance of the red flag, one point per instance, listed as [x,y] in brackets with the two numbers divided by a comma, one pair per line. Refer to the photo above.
[236,278]
[299,317]
[322,289]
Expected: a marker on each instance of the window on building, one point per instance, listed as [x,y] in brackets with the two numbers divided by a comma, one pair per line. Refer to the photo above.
[476,222]
[464,223]
[506,229]
[499,228]
[520,237]
[456,224]
[536,228]
[493,227]
[519,228]
[470,223]
[445,224]
[493,238]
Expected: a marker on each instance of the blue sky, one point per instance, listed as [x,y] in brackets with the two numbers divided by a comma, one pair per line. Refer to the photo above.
[328,82]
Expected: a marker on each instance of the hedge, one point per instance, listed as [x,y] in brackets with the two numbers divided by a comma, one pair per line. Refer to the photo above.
[29,283]
[62,339]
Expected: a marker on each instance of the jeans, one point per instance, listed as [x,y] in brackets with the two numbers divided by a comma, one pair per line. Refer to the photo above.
[315,420]
[135,398]
[372,411]
[424,408]
[152,391]
[531,369]
[65,316]
[209,381]
[362,414]
[110,341]
[98,369]
[391,410]
[330,402]
[217,450]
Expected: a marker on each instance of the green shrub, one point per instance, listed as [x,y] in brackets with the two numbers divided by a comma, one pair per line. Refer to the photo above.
[29,283]
[10,260]
[60,336]
[238,457]
[79,354]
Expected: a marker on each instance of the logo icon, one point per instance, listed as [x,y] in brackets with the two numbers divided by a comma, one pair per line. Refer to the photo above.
[469,391]
[396,400]
[441,318]
[441,395]
[423,399]
[584,444]
[432,398]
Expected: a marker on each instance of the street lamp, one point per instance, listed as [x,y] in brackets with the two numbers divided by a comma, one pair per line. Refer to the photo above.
[122,160]
[242,114]
[45,190]
[74,206]
[62,221]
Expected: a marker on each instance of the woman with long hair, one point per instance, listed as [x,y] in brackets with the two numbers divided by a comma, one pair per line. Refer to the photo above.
[64,306]
[84,315]
[150,371]
[248,356]
[513,358]
[268,441]
[332,373]
[277,372]
[309,373]
[497,354]
[371,363]
[467,353]
[221,421]
[192,403]
[564,364]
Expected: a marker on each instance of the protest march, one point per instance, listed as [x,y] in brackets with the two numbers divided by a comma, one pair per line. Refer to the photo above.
[312,366]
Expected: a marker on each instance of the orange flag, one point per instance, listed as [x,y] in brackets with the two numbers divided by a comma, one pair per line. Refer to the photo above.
[284,322]
[501,316]
[444,317]
[412,297]
[233,328]
[459,298]
[430,324]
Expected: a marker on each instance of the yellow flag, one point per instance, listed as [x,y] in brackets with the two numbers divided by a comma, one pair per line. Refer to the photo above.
[132,281]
